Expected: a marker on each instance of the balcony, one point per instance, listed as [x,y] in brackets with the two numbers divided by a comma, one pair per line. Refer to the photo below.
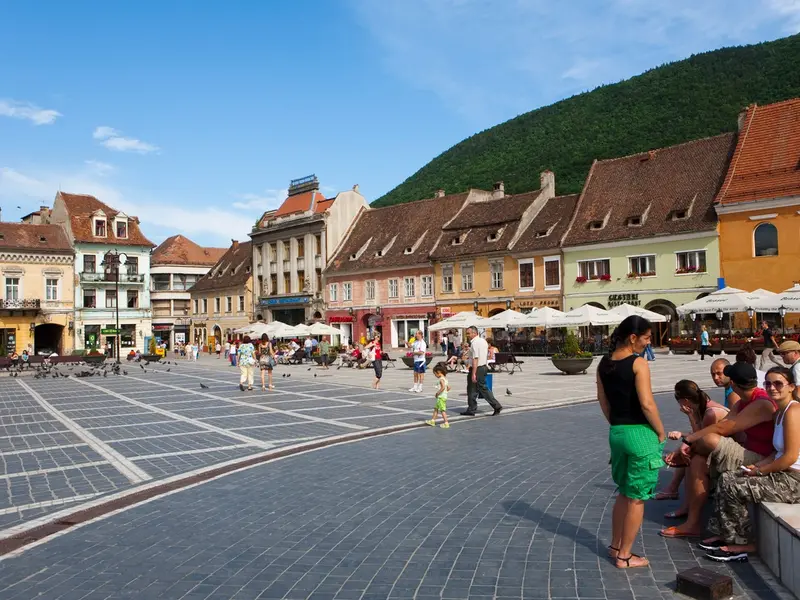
[103,277]
[318,261]
[301,263]
[30,304]
[273,268]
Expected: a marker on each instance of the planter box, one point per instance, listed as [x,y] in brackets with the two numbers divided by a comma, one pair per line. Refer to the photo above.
[572,366]
[409,361]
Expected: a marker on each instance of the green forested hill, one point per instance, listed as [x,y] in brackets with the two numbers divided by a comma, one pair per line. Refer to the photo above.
[693,98]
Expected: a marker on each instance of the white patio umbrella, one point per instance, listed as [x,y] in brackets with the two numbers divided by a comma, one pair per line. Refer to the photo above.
[507,318]
[254,329]
[790,299]
[460,320]
[731,300]
[588,315]
[626,310]
[542,317]
[285,331]
[323,329]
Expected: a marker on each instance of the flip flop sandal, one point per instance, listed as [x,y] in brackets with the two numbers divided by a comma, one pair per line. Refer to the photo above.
[674,532]
[667,496]
[612,549]
[627,562]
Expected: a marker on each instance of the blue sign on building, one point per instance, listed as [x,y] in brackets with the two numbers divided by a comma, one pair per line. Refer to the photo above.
[285,300]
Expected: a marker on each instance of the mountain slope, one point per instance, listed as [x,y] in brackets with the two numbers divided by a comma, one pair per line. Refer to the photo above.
[693,98]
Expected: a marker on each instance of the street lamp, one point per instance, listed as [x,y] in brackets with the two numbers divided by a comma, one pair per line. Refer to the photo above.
[114,260]
[475,306]
[750,314]
[508,304]
[782,313]
[693,315]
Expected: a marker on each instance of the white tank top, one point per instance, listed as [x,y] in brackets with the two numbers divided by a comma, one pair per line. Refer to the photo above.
[778,439]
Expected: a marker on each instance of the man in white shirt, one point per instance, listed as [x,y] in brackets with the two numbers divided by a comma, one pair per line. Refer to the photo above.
[418,349]
[308,345]
[790,353]
[476,381]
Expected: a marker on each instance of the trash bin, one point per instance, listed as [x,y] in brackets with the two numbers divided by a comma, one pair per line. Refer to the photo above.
[488,385]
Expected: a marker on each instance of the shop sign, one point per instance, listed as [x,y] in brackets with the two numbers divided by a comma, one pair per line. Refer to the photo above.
[446,312]
[282,301]
[617,299]
[165,327]
[340,319]
[109,331]
[180,338]
[11,342]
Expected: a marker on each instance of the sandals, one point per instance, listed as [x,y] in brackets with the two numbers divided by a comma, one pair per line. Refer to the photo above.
[627,562]
[674,532]
[611,550]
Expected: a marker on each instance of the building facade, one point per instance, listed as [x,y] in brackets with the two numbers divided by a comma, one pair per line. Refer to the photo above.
[36,313]
[103,291]
[291,247]
[176,265]
[222,299]
[759,204]
[473,263]
[381,278]
[644,230]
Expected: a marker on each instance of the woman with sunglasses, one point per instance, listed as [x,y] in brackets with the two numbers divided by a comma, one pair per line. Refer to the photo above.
[774,479]
[702,412]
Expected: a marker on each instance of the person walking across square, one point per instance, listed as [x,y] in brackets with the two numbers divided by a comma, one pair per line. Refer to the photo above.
[476,380]
[440,371]
[768,353]
[418,349]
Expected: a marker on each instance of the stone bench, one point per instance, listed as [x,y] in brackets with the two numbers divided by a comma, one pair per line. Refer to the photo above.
[778,530]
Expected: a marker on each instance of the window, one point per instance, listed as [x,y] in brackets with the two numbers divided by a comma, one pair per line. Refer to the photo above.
[369,291]
[427,285]
[286,252]
[89,263]
[765,240]
[693,261]
[273,285]
[51,289]
[12,288]
[347,291]
[122,229]
[179,282]
[229,304]
[333,292]
[642,266]
[89,298]
[394,291]
[205,306]
[589,270]
[467,270]
[318,244]
[526,274]
[196,306]
[273,252]
[111,298]
[161,282]
[447,278]
[133,299]
[301,247]
[287,284]
[132,265]
[100,228]
[552,273]
[496,270]
[409,287]
[217,304]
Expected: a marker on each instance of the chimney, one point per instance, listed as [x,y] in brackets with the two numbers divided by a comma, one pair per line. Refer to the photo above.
[439,194]
[498,190]
[234,244]
[742,116]
[547,183]
[355,189]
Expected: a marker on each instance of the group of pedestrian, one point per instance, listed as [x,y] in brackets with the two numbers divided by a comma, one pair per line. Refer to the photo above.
[249,356]
[747,450]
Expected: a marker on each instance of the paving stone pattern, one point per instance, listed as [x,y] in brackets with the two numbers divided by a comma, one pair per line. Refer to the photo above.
[500,508]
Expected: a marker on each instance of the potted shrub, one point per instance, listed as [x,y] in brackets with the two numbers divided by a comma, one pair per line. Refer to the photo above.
[94,357]
[408,359]
[152,355]
[572,360]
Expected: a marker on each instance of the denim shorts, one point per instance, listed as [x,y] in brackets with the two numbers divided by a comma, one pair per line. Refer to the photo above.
[419,366]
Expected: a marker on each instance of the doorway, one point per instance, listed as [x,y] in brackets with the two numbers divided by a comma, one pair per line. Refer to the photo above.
[47,339]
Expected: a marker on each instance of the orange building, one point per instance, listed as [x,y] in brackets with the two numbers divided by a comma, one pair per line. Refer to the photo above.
[759,202]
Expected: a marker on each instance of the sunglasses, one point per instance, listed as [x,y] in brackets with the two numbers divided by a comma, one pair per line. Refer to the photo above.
[778,385]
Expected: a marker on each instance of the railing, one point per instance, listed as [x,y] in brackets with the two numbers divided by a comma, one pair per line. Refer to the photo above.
[273,268]
[301,263]
[110,277]
[20,304]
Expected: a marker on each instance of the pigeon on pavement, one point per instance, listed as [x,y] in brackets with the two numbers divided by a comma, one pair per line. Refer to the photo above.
[204,386]
[508,392]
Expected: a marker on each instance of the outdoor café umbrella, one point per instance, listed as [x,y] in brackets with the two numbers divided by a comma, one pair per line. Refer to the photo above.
[790,299]
[588,315]
[461,320]
[731,300]
[626,310]
[542,317]
[323,329]
[507,318]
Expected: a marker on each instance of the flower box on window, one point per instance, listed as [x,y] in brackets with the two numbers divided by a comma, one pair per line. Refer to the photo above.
[684,270]
[580,279]
[635,275]
[605,277]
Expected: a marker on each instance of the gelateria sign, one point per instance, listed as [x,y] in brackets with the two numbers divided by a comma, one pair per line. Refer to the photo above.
[617,299]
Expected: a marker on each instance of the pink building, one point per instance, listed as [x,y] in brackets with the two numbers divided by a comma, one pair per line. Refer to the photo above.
[380,278]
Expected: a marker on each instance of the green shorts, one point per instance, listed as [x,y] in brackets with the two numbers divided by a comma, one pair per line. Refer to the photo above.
[635,460]
[441,403]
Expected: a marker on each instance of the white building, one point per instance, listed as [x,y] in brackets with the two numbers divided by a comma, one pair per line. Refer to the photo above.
[175,266]
[291,246]
[95,229]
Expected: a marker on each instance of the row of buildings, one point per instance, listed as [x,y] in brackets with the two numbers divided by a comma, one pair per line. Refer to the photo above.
[655,229]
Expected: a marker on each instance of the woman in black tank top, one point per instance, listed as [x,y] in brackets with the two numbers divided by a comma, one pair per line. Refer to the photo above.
[636,437]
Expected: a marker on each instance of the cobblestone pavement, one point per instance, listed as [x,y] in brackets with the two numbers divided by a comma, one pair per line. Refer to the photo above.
[67,441]
[511,507]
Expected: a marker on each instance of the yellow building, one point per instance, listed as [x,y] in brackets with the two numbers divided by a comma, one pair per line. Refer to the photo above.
[36,313]
[486,256]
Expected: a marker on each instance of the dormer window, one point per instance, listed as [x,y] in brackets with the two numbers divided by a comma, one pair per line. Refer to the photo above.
[595,225]
[100,228]
[42,239]
[408,250]
[379,253]
[122,229]
[634,221]
[353,256]
[679,215]
[458,240]
[542,233]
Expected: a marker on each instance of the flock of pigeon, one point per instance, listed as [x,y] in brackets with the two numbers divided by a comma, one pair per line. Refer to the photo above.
[76,369]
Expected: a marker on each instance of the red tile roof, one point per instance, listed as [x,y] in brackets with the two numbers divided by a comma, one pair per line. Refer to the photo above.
[232,270]
[179,250]
[766,163]
[548,226]
[40,238]
[654,186]
[80,208]
[302,202]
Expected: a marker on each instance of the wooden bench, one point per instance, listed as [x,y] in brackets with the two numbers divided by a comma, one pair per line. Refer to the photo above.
[389,362]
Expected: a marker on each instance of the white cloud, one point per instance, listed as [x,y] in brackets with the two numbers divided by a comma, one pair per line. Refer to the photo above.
[790,9]
[113,140]
[99,167]
[26,110]
[264,201]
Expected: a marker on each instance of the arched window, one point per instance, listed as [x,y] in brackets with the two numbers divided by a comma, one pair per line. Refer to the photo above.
[765,240]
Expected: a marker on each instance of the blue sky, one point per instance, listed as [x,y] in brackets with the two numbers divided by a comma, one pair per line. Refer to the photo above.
[195,115]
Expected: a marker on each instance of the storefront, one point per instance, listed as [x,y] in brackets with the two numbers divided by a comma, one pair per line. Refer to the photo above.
[163,333]
[292,310]
[342,321]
